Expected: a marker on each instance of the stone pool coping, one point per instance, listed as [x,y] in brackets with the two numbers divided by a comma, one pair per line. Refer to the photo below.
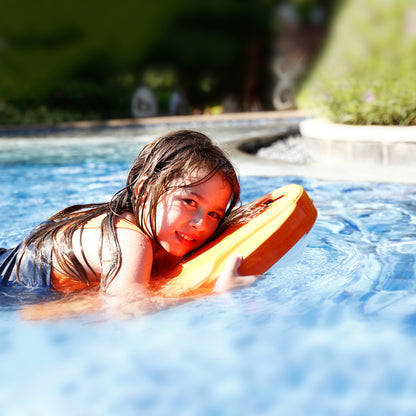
[385,145]
[342,153]
[375,153]
[379,154]
[250,165]
[204,119]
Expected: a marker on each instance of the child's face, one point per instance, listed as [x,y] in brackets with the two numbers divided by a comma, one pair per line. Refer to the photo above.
[187,217]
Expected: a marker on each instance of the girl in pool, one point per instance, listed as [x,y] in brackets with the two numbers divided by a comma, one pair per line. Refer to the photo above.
[180,193]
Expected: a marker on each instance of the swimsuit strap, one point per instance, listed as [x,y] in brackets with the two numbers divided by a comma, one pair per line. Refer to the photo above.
[95,223]
[126,224]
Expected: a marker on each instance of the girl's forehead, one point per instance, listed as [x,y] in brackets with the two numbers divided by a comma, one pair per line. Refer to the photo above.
[197,175]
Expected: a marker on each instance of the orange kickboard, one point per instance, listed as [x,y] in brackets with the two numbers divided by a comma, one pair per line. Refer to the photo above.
[288,215]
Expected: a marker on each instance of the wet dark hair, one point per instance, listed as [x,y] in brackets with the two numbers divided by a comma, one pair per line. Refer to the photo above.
[170,157]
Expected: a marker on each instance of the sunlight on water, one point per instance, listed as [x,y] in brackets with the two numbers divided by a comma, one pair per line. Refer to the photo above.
[332,334]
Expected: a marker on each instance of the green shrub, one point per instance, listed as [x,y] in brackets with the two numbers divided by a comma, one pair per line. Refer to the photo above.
[12,115]
[366,72]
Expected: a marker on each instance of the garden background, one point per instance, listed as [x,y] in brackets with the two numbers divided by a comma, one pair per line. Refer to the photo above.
[351,60]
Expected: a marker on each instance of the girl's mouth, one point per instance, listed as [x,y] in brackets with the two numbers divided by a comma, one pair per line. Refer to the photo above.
[185,239]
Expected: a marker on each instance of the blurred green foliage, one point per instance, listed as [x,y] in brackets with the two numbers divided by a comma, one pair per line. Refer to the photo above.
[70,57]
[366,74]
[83,59]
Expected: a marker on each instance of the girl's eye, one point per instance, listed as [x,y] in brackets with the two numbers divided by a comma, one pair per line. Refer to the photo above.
[215,215]
[190,202]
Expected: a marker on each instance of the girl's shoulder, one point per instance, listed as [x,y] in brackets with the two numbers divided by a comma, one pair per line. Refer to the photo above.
[124,222]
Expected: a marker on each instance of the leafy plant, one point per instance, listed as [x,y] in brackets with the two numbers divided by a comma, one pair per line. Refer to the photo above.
[365,74]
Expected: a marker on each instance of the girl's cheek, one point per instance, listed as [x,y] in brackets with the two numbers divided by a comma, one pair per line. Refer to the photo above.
[213,228]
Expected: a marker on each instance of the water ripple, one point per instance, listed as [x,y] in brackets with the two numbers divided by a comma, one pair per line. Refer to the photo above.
[339,324]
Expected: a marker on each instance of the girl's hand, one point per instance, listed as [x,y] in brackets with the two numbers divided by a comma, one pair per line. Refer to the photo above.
[230,279]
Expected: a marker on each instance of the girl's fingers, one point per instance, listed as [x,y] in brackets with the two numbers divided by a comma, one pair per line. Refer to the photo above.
[246,280]
[232,265]
[230,278]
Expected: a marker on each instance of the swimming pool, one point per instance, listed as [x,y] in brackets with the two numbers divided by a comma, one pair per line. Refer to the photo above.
[333,334]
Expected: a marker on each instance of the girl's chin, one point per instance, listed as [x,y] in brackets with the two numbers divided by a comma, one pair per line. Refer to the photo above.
[175,251]
[179,248]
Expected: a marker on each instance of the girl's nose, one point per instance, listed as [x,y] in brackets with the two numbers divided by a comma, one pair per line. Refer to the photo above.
[198,221]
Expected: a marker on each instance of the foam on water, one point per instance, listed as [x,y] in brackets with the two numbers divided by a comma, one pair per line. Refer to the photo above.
[332,334]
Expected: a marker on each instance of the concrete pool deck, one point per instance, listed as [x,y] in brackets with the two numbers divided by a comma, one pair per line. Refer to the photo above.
[338,152]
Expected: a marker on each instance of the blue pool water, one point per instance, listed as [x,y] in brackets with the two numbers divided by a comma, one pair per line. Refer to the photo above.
[333,334]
